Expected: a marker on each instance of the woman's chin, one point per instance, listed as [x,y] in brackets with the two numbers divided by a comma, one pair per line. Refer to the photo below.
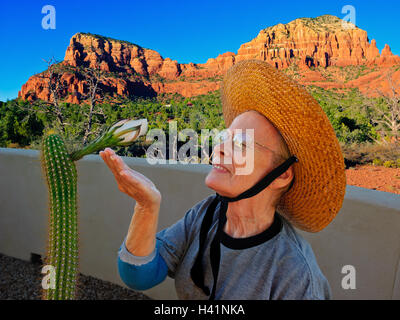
[215,183]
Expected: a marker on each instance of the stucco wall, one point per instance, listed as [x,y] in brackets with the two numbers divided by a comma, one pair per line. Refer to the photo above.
[365,233]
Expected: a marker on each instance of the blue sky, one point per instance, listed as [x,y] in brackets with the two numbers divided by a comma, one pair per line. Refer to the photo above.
[183,30]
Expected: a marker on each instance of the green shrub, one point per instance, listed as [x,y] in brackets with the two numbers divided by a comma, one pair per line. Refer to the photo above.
[377,162]
[369,153]
[389,164]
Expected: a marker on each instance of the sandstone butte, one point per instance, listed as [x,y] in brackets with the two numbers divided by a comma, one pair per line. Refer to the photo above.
[314,51]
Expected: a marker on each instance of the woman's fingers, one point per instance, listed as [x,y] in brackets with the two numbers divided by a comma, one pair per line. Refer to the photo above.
[119,164]
[136,187]
[130,181]
[113,161]
[106,158]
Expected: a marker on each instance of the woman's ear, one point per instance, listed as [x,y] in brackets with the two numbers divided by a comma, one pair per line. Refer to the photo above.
[284,179]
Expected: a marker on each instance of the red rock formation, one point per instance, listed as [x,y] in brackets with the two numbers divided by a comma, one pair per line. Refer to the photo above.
[132,70]
[372,52]
[387,58]
[311,42]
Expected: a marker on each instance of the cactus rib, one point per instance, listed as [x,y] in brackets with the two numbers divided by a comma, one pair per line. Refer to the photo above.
[62,249]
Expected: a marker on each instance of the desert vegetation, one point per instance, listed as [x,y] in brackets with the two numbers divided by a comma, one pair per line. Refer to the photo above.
[365,138]
[367,128]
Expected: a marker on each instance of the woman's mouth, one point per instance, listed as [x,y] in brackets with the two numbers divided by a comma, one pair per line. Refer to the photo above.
[220,168]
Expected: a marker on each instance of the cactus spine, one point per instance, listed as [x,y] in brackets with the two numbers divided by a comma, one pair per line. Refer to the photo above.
[62,247]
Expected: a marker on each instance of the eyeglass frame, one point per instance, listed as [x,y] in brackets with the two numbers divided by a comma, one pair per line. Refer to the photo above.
[230,134]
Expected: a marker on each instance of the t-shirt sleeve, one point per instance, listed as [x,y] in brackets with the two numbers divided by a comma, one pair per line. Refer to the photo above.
[141,273]
[175,239]
[295,280]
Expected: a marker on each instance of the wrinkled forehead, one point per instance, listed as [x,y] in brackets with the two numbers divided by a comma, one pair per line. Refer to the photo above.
[264,130]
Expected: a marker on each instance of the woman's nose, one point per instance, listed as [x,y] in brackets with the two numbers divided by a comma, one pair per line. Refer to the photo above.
[222,152]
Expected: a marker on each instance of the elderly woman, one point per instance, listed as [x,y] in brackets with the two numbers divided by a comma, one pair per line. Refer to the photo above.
[240,243]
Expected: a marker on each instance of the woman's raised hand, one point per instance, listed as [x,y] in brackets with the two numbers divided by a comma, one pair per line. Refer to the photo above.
[131,182]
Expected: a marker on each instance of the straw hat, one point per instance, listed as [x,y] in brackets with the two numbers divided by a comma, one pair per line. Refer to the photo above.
[320,181]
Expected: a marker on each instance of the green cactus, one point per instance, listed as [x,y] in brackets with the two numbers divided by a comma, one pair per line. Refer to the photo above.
[62,247]
[61,177]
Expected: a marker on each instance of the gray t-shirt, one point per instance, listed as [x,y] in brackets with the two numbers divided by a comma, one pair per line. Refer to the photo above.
[263,267]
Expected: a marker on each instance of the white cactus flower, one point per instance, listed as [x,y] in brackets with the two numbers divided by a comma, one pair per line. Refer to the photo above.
[123,133]
[129,130]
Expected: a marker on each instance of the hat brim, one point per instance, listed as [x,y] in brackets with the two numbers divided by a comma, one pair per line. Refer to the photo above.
[319,187]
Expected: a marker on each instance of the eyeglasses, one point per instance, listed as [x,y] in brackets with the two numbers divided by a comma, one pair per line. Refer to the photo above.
[240,140]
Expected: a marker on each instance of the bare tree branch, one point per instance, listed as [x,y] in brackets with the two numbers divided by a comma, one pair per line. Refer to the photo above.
[92,77]
[389,118]
[55,86]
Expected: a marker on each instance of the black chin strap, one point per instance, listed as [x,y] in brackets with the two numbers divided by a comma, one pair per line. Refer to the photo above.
[197,272]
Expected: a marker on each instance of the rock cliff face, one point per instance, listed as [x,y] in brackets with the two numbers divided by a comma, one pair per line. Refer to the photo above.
[322,41]
[130,70]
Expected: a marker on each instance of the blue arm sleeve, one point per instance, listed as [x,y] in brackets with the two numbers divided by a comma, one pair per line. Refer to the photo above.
[141,273]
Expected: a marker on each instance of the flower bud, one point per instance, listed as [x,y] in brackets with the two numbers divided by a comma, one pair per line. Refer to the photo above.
[123,133]
[129,130]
